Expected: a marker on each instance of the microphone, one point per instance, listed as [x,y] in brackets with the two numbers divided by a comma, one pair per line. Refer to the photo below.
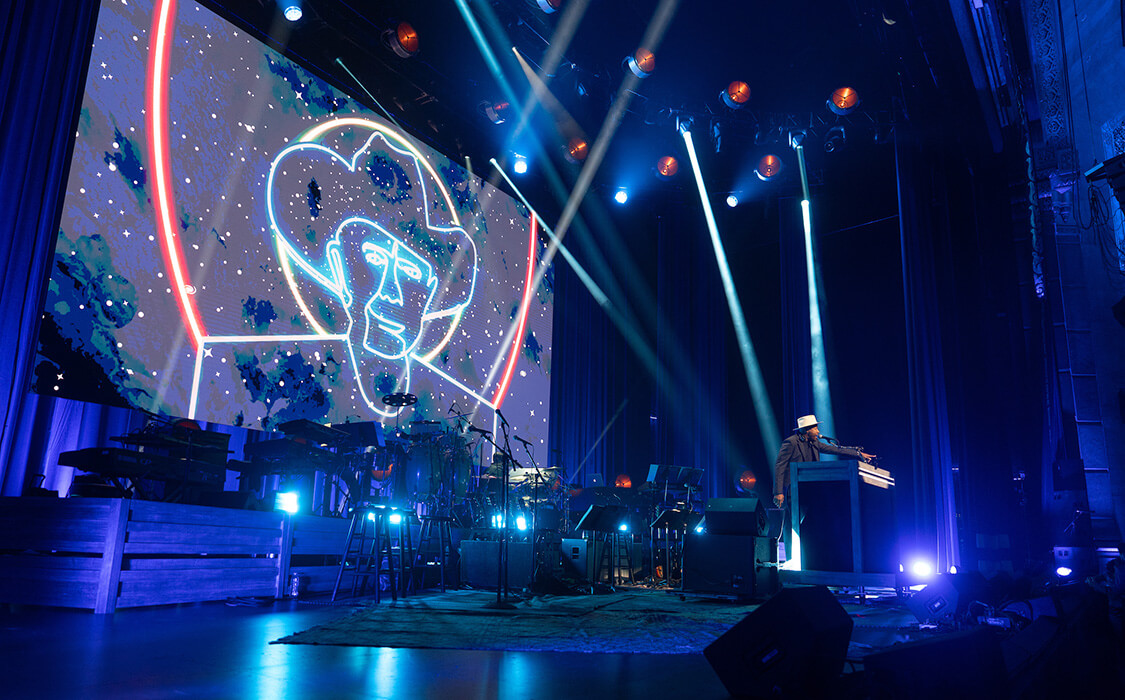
[482,431]
[525,442]
[451,408]
[503,418]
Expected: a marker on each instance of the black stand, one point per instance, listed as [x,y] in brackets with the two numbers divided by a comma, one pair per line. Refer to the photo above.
[502,551]
[534,515]
[605,521]
[679,522]
[399,401]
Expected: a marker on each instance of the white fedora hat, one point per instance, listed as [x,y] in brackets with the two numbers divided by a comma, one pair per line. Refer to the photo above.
[806,422]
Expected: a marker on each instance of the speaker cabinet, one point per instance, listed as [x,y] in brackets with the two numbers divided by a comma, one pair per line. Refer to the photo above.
[596,559]
[735,516]
[793,645]
[737,565]
[479,564]
[575,558]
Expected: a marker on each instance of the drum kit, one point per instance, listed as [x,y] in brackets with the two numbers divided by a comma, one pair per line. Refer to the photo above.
[439,468]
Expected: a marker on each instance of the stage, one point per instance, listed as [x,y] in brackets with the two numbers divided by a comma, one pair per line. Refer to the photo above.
[269,648]
[295,315]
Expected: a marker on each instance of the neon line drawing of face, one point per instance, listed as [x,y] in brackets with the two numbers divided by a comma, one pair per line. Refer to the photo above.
[334,198]
[394,283]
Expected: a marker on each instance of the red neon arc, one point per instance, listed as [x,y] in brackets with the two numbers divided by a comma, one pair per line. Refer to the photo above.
[160,164]
[525,304]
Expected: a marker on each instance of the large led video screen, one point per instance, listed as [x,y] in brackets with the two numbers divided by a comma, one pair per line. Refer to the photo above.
[243,243]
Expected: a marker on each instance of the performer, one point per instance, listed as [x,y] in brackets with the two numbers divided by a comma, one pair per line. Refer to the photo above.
[804,445]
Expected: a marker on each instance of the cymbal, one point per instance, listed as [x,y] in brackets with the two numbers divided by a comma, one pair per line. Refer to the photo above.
[400,399]
[530,478]
[425,422]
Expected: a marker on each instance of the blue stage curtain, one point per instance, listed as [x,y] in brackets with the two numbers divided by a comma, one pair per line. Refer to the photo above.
[797,395]
[692,422]
[929,482]
[612,412]
[43,50]
[590,377]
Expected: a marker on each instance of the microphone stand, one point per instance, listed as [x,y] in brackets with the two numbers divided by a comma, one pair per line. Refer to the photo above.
[477,468]
[858,449]
[534,511]
[502,552]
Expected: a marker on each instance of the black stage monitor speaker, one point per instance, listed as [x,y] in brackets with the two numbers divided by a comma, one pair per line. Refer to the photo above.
[738,565]
[793,645]
[735,516]
[574,556]
[947,597]
[959,664]
[479,564]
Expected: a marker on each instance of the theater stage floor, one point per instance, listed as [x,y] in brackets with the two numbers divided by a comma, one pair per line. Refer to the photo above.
[212,650]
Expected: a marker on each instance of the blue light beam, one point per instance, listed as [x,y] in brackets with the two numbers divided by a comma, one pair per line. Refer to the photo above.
[587,280]
[762,407]
[822,395]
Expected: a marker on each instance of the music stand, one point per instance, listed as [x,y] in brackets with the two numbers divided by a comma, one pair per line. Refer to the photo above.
[601,519]
[605,520]
[675,477]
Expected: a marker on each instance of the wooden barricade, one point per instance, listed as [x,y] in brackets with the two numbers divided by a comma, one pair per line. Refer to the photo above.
[315,547]
[176,553]
[61,552]
[107,553]
[101,554]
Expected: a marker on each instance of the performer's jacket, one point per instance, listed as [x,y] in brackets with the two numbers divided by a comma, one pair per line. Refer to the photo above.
[801,448]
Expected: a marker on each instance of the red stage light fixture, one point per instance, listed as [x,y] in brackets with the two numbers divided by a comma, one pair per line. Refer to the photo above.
[769,167]
[667,167]
[549,6]
[747,481]
[577,149]
[641,63]
[403,40]
[623,481]
[736,95]
[844,100]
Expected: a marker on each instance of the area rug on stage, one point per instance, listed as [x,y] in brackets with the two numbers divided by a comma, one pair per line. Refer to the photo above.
[630,622]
